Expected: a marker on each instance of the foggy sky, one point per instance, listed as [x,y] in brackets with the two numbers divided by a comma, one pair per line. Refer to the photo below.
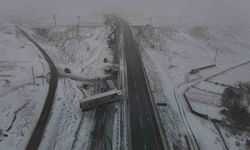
[229,10]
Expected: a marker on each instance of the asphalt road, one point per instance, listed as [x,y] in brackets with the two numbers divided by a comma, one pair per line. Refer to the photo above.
[37,134]
[116,45]
[97,139]
[144,131]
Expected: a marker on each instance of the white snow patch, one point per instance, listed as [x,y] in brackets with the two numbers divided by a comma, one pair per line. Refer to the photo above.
[21,101]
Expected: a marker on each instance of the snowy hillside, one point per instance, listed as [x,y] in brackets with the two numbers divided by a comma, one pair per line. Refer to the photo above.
[181,49]
[69,127]
[77,53]
[21,99]
[170,53]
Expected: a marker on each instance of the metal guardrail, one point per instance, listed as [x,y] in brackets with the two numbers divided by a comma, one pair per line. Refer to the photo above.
[155,110]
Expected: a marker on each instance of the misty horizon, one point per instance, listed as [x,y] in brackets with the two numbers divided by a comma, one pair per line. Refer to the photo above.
[227,11]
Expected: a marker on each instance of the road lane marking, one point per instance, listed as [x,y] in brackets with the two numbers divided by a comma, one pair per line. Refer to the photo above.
[135,84]
[103,119]
[140,121]
[137,99]
[147,103]
[145,147]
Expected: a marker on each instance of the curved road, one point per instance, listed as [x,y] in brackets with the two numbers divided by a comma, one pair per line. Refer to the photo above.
[37,134]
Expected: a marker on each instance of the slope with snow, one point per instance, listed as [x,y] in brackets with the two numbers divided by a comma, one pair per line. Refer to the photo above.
[171,52]
[69,127]
[21,99]
[83,54]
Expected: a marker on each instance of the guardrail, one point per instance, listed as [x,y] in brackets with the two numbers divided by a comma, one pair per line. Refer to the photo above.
[123,142]
[155,110]
[201,68]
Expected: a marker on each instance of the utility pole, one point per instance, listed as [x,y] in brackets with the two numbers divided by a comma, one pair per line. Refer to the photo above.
[216,53]
[78,25]
[33,75]
[54,19]
[20,21]
[78,20]
[98,85]
[151,27]
[42,73]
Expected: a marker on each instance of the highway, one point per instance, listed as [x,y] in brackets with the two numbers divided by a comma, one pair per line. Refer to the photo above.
[144,131]
[37,133]
[97,138]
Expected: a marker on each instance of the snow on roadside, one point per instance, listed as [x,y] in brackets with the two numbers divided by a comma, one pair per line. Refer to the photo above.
[210,87]
[69,127]
[65,119]
[21,101]
[173,130]
[233,76]
[206,133]
[175,50]
[83,54]
[235,139]
[203,97]
[182,48]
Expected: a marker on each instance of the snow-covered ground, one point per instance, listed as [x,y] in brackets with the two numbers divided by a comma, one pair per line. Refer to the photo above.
[182,48]
[209,87]
[83,55]
[69,127]
[233,76]
[21,100]
[204,97]
[171,52]
[67,122]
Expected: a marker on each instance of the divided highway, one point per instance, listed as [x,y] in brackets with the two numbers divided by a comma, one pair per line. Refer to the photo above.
[37,134]
[144,131]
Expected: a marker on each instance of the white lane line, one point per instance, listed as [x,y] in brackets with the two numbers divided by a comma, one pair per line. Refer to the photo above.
[140,121]
[152,123]
[137,99]
[145,147]
[135,84]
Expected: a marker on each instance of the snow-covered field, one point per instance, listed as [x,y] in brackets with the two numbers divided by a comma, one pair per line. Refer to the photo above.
[69,127]
[171,52]
[209,87]
[83,55]
[182,48]
[204,97]
[21,100]
[67,122]
[233,76]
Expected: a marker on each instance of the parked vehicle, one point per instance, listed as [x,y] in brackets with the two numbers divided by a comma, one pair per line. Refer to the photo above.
[67,70]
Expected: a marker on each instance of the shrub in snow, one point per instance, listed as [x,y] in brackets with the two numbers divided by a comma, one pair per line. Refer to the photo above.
[237,143]
[236,100]
[200,32]
[248,143]
[44,32]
